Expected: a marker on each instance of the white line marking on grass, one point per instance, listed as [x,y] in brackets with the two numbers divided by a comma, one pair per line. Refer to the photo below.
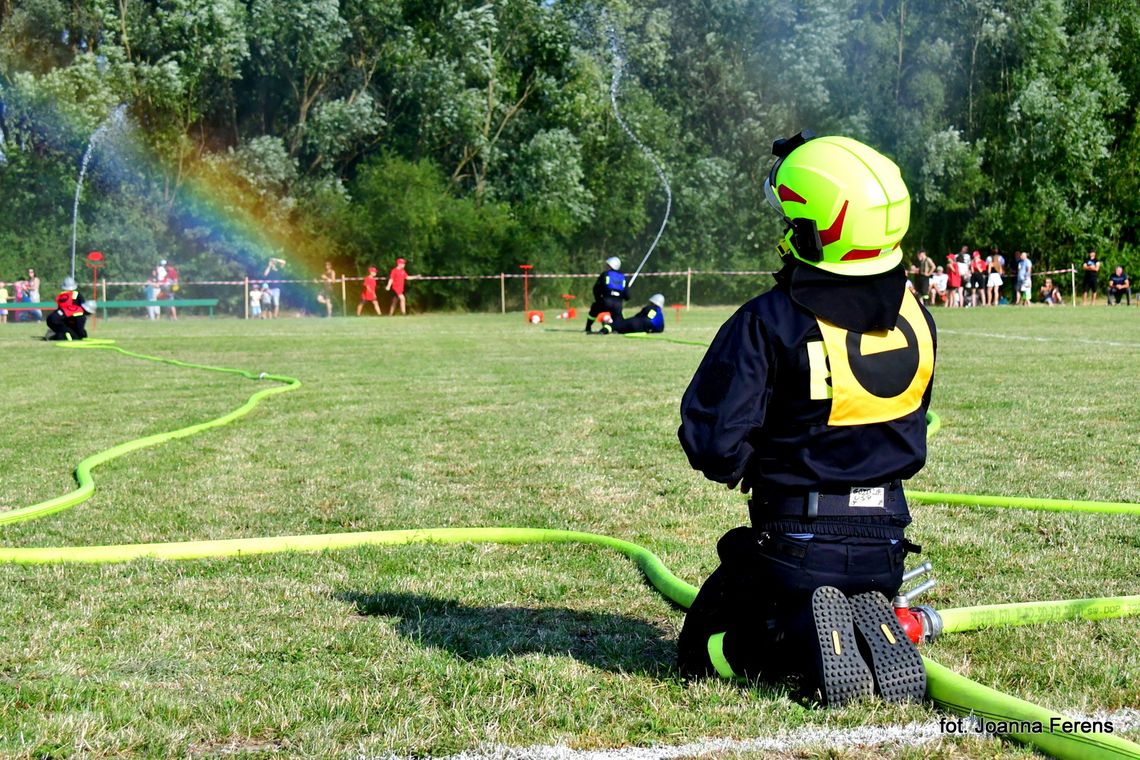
[890,736]
[909,735]
[1037,338]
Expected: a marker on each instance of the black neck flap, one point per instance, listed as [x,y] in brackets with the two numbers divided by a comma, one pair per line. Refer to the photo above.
[860,304]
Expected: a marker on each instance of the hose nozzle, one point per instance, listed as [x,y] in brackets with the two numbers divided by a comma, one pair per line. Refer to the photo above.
[922,569]
[921,588]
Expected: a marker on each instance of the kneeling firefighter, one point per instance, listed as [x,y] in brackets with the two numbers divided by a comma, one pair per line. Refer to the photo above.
[651,319]
[814,397]
[610,293]
[69,319]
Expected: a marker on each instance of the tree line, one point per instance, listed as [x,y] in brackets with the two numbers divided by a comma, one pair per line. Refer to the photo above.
[473,136]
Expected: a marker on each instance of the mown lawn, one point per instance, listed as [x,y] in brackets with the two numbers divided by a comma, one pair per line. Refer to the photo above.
[483,420]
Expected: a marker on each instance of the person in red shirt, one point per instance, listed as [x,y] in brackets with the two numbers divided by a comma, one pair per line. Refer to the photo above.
[368,294]
[978,270]
[953,282]
[168,285]
[396,279]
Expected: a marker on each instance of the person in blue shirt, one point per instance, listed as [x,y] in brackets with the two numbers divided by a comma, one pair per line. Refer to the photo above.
[1091,269]
[610,293]
[650,319]
[1119,286]
[1024,279]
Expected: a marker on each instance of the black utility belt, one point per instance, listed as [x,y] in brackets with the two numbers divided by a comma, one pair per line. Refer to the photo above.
[857,501]
[893,528]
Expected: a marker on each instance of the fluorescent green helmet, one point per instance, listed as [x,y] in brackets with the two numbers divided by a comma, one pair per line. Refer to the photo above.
[845,204]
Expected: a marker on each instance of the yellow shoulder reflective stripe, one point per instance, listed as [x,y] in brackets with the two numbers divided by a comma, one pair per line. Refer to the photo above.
[716,655]
[820,378]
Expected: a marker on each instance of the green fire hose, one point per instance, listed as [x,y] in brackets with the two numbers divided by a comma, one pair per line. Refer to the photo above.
[1048,731]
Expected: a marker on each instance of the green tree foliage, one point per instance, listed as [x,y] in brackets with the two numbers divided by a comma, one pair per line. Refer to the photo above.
[471,136]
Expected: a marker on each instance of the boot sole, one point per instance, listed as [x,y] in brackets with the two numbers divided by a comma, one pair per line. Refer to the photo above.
[843,675]
[895,662]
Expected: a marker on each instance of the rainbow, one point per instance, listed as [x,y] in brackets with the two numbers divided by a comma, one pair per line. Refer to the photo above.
[208,204]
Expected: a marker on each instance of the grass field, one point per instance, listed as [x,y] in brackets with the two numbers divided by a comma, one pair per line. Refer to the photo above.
[482,420]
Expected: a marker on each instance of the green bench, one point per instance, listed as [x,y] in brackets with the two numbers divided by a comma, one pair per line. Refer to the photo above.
[178,303]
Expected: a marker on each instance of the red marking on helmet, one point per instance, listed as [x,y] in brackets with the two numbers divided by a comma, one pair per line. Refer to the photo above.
[788,194]
[832,233]
[857,254]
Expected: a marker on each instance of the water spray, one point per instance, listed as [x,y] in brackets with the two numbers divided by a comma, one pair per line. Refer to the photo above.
[114,121]
[615,83]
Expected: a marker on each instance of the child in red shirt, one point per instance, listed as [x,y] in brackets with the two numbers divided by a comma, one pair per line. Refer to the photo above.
[368,294]
[953,282]
[395,284]
[978,270]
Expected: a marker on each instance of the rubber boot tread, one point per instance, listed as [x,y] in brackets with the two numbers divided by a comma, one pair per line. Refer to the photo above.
[843,675]
[895,662]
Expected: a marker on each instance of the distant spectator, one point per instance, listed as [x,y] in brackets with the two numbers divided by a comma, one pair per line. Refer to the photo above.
[996,264]
[1024,279]
[963,262]
[17,297]
[3,300]
[396,279]
[150,292]
[26,298]
[938,285]
[255,302]
[266,301]
[368,292]
[1119,287]
[33,290]
[1051,294]
[328,279]
[272,266]
[953,281]
[926,268]
[1091,269]
[168,285]
[978,269]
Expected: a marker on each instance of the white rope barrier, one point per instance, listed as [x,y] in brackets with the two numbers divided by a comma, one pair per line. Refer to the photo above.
[424,277]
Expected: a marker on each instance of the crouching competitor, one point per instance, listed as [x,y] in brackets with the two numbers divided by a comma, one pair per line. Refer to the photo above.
[651,319]
[609,293]
[813,396]
[69,320]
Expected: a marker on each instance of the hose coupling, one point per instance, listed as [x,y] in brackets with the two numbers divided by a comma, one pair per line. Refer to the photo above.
[922,623]
[931,621]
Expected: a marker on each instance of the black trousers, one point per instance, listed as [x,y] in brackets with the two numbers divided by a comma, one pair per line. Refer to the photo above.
[62,326]
[612,305]
[634,324]
[759,595]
